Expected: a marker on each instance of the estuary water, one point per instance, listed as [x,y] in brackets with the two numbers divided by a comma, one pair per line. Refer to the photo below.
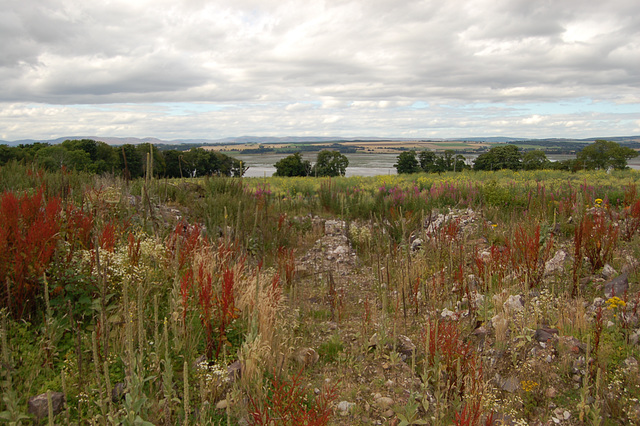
[360,164]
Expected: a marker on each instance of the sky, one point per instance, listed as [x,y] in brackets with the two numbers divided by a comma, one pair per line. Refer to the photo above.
[192,69]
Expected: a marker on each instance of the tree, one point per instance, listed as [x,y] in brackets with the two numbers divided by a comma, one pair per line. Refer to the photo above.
[130,161]
[407,163]
[604,154]
[499,157]
[330,163]
[293,165]
[535,160]
[427,161]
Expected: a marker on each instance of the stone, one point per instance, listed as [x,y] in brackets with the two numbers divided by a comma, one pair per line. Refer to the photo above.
[416,244]
[118,392]
[345,407]
[405,346]
[39,407]
[222,404]
[617,286]
[551,392]
[306,357]
[510,384]
[556,263]
[514,303]
[545,334]
[384,402]
[608,272]
[234,371]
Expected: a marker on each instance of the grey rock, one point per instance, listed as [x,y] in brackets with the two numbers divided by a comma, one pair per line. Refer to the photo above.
[618,286]
[405,346]
[39,407]
[608,272]
[545,334]
[118,392]
[345,407]
[556,263]
[234,371]
[510,384]
[384,402]
[514,303]
[306,357]
[416,244]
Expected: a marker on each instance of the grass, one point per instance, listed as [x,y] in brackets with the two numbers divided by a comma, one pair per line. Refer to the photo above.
[431,286]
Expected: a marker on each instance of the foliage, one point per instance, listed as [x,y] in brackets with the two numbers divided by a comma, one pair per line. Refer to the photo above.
[603,154]
[330,163]
[535,160]
[287,404]
[293,165]
[499,157]
[407,163]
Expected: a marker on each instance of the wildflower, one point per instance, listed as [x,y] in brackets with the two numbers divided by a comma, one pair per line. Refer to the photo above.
[598,202]
[614,303]
[529,385]
[494,225]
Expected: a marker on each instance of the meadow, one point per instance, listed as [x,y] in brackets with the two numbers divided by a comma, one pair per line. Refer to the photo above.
[458,298]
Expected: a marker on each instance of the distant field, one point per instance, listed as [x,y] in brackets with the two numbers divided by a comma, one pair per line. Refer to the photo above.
[363,146]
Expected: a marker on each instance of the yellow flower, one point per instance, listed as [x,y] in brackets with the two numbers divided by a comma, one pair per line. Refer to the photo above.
[598,201]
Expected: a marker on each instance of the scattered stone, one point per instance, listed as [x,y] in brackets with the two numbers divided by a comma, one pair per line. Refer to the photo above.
[222,404]
[405,346]
[306,357]
[556,263]
[345,407]
[234,371]
[510,384]
[39,407]
[448,314]
[384,402]
[551,392]
[118,392]
[608,272]
[416,244]
[514,303]
[545,334]
[617,286]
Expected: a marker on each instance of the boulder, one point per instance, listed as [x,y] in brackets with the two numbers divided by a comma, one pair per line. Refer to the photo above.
[617,286]
[39,407]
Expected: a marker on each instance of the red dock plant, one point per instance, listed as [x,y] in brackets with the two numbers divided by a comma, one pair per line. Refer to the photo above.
[28,239]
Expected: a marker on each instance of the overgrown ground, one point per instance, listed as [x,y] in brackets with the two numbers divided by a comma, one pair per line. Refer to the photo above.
[469,298]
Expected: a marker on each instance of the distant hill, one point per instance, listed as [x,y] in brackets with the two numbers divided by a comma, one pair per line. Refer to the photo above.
[309,139]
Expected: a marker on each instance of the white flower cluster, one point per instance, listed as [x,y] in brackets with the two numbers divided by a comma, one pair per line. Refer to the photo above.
[360,235]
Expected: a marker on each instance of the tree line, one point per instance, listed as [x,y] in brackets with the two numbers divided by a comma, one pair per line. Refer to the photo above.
[600,155]
[328,163]
[127,160]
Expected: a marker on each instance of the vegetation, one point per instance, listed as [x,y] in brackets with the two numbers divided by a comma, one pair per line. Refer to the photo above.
[452,298]
[328,163]
[128,160]
[293,165]
[430,162]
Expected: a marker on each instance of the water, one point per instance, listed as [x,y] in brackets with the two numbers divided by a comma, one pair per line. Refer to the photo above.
[360,164]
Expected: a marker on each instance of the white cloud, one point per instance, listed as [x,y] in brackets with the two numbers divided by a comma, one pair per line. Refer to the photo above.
[280,64]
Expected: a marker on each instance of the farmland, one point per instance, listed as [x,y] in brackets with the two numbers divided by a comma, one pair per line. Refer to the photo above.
[455,298]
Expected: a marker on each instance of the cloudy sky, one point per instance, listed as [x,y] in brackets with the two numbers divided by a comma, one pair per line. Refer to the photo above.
[177,69]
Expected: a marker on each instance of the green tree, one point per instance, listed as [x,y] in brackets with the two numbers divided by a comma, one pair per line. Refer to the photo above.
[499,157]
[130,161]
[535,160]
[293,165]
[604,154]
[427,161]
[55,157]
[407,163]
[330,163]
